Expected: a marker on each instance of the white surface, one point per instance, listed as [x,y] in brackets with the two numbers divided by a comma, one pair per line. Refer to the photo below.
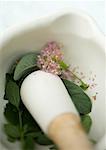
[46,97]
[86,43]
[16,12]
[102,144]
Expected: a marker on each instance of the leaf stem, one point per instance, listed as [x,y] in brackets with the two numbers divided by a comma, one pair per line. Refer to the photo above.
[21,128]
[20,119]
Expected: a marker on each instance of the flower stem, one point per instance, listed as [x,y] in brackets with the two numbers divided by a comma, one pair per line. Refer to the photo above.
[83,85]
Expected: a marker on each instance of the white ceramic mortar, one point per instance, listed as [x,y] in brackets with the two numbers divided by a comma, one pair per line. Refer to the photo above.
[83,47]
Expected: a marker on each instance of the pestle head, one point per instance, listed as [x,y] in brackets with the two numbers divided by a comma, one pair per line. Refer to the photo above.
[46,97]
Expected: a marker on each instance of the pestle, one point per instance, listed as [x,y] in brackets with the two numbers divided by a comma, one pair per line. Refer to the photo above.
[48,101]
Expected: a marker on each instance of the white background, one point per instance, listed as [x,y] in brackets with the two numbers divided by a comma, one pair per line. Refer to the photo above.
[16,12]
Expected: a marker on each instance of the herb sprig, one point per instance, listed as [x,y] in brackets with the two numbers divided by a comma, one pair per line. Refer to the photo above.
[20,124]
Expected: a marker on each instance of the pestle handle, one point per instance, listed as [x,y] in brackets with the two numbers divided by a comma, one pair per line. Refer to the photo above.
[67,133]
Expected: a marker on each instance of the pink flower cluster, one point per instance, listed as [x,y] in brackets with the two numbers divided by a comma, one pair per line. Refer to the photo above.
[49,58]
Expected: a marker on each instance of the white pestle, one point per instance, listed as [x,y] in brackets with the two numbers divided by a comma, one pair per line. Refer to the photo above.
[46,97]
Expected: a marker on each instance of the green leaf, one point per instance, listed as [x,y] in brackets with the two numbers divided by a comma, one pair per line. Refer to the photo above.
[11,114]
[29,122]
[42,139]
[25,128]
[54,147]
[28,143]
[34,131]
[12,131]
[8,78]
[12,69]
[34,134]
[84,86]
[93,141]
[11,139]
[12,93]
[26,62]
[79,98]
[27,72]
[86,122]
